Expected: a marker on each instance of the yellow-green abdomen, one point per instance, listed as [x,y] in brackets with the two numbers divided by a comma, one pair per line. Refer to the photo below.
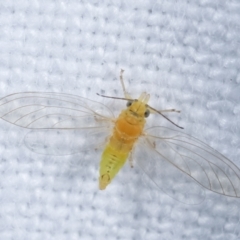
[115,154]
[112,161]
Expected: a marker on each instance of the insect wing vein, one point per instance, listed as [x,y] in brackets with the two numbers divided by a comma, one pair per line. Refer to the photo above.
[192,157]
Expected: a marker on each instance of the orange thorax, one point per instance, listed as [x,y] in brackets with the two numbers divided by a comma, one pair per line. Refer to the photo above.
[127,129]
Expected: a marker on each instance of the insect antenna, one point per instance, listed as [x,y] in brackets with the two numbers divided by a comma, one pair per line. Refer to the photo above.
[127,99]
[155,110]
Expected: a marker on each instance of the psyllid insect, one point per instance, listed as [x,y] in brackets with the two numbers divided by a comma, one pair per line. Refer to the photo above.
[160,147]
[128,128]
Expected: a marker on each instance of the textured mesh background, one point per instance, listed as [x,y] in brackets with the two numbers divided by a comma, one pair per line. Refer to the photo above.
[184,53]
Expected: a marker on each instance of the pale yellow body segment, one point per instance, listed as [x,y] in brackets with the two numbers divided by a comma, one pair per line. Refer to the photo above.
[128,127]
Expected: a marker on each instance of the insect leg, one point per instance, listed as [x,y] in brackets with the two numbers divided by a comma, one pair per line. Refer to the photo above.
[102,145]
[126,94]
[131,159]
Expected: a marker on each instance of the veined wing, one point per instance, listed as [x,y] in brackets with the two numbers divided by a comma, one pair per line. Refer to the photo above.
[35,110]
[48,113]
[180,158]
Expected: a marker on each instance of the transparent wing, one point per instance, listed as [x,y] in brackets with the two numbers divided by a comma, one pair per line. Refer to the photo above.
[173,159]
[35,110]
[61,123]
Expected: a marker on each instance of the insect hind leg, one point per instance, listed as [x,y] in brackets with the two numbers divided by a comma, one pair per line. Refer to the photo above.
[131,159]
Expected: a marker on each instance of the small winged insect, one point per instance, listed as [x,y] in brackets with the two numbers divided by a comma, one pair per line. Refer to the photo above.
[159,151]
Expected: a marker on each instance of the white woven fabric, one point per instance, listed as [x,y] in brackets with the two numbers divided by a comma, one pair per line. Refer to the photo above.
[184,53]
